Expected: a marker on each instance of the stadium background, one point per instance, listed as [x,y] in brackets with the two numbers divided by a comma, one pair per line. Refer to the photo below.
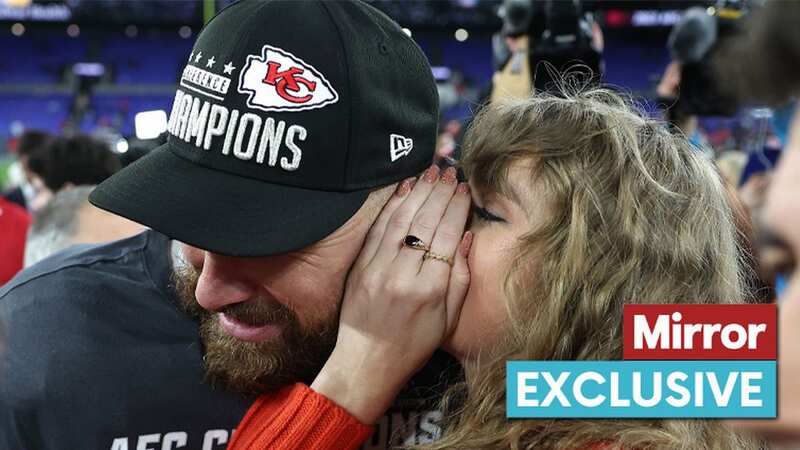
[93,66]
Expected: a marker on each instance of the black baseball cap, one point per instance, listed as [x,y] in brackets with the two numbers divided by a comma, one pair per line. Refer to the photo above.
[287,115]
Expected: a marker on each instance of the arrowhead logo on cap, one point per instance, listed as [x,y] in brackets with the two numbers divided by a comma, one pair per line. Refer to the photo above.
[277,80]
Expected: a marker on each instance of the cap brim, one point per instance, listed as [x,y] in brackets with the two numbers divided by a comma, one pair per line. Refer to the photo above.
[221,212]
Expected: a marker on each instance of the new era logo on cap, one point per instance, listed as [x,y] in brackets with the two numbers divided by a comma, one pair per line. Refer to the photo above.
[277,80]
[399,146]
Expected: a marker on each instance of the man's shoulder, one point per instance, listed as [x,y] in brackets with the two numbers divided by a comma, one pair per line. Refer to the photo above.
[88,292]
[80,267]
[95,344]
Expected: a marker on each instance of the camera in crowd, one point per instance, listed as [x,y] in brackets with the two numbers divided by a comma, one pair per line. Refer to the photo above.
[560,35]
[693,42]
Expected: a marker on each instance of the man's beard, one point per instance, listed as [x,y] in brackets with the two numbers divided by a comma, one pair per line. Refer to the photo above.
[254,367]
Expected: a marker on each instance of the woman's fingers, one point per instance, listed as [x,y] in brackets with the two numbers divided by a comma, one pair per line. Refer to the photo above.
[450,241]
[447,236]
[428,221]
[422,308]
[400,221]
[458,284]
[376,232]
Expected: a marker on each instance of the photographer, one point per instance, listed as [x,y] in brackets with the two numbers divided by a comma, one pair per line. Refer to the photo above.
[689,87]
[540,39]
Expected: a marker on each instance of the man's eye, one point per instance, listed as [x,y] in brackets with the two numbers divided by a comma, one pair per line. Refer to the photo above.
[483,214]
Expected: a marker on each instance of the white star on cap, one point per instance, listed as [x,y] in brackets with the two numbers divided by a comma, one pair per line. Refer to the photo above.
[191,56]
[197,58]
[228,68]
[210,62]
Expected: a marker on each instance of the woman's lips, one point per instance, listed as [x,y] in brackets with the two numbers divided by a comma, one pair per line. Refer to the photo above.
[250,333]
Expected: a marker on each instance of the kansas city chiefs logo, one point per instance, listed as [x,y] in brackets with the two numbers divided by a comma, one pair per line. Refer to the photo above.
[277,80]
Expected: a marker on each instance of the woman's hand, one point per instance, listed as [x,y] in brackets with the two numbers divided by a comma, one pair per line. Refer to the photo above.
[399,305]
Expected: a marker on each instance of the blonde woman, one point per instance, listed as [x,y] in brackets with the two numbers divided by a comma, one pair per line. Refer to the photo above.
[580,205]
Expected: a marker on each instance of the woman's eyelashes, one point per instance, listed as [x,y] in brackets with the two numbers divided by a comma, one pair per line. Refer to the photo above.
[484,215]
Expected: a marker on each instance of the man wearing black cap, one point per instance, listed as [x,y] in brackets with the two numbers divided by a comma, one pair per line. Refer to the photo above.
[292,123]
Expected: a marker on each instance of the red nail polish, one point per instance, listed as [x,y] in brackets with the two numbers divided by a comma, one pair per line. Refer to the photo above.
[463,188]
[449,176]
[404,187]
[431,174]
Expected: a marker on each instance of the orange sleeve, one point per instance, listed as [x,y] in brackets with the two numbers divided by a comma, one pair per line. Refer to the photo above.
[298,418]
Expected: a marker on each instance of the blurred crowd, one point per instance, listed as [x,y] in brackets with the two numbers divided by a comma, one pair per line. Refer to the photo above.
[46,209]
[745,139]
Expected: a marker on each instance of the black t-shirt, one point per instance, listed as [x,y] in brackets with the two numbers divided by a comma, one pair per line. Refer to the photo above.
[100,356]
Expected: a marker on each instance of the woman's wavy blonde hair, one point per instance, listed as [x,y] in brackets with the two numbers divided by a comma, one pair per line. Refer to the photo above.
[636,216]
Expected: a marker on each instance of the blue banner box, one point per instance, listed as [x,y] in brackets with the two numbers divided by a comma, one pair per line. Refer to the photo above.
[645,389]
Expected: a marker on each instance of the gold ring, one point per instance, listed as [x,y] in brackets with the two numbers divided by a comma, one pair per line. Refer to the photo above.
[416,243]
[430,255]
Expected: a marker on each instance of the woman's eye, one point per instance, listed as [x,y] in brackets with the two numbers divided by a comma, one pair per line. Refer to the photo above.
[483,214]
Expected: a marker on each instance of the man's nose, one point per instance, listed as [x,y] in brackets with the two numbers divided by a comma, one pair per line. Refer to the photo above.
[222,283]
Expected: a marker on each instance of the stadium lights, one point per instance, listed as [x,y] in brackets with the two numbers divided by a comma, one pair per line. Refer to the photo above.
[73,30]
[441,73]
[87,69]
[653,18]
[122,146]
[150,124]
[461,35]
[18,29]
